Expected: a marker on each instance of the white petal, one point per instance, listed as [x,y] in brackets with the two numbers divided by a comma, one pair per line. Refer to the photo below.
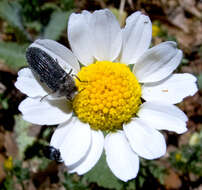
[107,35]
[29,85]
[60,133]
[64,56]
[45,112]
[93,155]
[172,90]
[158,62]
[122,161]
[76,142]
[144,140]
[79,35]
[163,116]
[137,36]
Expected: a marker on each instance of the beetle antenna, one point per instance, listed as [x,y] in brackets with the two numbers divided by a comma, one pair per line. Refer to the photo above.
[70,71]
[79,78]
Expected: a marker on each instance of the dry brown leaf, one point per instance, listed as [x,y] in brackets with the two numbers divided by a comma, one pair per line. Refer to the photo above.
[198,188]
[187,41]
[194,67]
[2,172]
[193,177]
[177,18]
[2,88]
[172,180]
[29,185]
[34,130]
[1,141]
[10,145]
[4,68]
[190,6]
[199,5]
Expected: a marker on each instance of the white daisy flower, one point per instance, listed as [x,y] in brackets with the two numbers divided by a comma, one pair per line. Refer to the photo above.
[129,106]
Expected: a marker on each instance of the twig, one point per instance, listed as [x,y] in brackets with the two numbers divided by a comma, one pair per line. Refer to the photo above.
[102,4]
[130,2]
[121,10]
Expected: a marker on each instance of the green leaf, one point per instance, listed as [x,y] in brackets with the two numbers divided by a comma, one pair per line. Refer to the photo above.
[10,11]
[102,175]
[73,181]
[35,25]
[4,102]
[56,25]
[199,79]
[67,4]
[13,55]
[8,183]
[21,130]
[184,61]
[20,172]
[131,185]
[131,66]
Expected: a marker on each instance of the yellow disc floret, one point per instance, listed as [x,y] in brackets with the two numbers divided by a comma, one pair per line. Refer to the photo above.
[108,95]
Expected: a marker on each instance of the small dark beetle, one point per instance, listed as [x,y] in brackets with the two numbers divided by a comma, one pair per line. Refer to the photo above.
[51,73]
[52,153]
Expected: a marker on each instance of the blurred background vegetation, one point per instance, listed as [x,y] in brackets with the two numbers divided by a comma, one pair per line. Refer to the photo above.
[22,163]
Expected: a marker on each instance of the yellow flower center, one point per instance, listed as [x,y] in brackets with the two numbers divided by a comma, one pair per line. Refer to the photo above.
[109,95]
